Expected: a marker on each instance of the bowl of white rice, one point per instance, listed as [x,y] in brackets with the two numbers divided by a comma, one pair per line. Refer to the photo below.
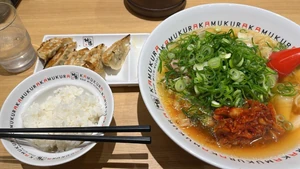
[62,96]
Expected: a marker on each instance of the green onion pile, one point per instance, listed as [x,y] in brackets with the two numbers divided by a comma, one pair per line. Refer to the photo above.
[211,70]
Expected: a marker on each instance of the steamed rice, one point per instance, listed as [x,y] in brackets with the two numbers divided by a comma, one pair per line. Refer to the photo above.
[69,106]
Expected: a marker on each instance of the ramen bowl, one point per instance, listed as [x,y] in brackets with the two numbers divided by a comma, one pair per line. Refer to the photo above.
[37,88]
[238,16]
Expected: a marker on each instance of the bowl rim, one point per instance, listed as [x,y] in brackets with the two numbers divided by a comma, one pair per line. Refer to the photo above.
[87,147]
[142,85]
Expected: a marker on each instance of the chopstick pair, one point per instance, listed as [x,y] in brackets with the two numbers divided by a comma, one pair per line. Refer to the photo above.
[9,133]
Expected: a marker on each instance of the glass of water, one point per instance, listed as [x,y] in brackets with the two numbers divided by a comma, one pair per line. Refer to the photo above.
[16,51]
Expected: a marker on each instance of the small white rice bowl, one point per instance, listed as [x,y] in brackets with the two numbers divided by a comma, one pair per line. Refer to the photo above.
[61,96]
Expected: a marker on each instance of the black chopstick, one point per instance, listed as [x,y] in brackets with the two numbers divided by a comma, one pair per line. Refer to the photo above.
[142,128]
[120,139]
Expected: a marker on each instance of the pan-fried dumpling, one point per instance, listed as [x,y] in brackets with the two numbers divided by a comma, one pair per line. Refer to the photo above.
[115,55]
[77,57]
[49,48]
[93,60]
[62,55]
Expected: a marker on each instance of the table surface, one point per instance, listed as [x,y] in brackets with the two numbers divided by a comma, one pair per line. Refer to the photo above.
[42,17]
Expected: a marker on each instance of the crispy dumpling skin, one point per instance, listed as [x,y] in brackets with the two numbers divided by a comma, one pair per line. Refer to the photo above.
[62,55]
[93,60]
[49,48]
[77,57]
[115,55]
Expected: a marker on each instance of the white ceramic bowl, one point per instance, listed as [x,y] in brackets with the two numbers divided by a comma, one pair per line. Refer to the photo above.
[39,86]
[202,16]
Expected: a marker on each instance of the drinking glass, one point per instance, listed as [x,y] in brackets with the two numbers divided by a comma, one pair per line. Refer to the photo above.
[16,51]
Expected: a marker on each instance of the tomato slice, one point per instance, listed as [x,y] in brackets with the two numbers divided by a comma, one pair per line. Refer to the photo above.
[285,61]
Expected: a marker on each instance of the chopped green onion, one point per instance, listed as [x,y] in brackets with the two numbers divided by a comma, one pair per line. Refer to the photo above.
[220,69]
[227,100]
[186,80]
[215,104]
[171,55]
[236,61]
[242,77]
[231,63]
[179,85]
[198,80]
[235,74]
[206,50]
[240,63]
[192,61]
[280,118]
[214,62]
[183,69]
[199,66]
[225,41]
[237,101]
[288,126]
[236,93]
[190,47]
[196,90]
[271,80]
[286,89]
[225,55]
[159,69]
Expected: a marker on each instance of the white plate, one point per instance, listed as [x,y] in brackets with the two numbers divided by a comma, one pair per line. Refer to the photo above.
[127,75]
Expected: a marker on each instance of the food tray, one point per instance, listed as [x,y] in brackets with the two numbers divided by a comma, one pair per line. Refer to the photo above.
[127,75]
